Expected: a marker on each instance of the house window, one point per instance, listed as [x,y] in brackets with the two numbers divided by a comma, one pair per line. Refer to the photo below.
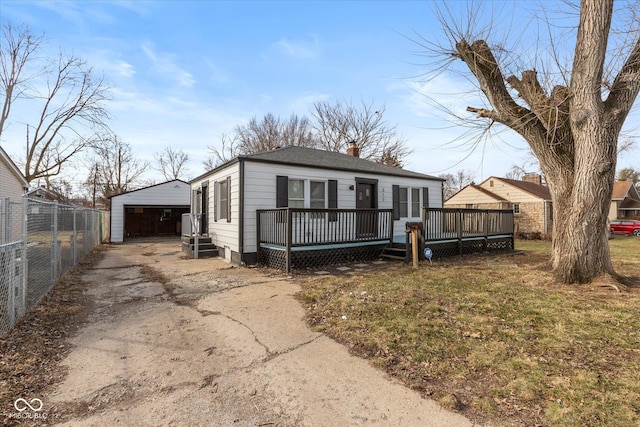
[302,193]
[404,202]
[223,210]
[317,195]
[516,208]
[415,202]
[296,193]
[409,202]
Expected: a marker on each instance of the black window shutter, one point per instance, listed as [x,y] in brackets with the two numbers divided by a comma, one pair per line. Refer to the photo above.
[216,200]
[395,195]
[333,199]
[282,191]
[425,197]
[228,199]
[333,194]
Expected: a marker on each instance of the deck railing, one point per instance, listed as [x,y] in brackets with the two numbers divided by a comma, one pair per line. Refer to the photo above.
[293,229]
[461,231]
[447,223]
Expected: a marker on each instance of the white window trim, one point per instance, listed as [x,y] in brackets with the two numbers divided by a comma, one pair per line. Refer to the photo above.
[410,200]
[307,190]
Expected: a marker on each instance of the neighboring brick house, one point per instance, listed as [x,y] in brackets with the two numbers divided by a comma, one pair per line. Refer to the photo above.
[529,199]
[625,201]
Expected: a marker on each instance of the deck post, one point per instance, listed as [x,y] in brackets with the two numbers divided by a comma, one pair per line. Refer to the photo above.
[289,222]
[258,234]
[459,229]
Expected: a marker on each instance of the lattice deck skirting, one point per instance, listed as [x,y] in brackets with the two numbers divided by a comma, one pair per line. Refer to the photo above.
[453,247]
[320,255]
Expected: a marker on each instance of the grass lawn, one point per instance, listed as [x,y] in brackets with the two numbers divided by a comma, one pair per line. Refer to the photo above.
[494,337]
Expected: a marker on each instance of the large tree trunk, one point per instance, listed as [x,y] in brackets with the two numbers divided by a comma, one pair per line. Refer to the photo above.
[581,201]
[580,247]
[572,131]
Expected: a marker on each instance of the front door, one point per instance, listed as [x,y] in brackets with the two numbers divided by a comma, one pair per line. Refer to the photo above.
[366,221]
[205,208]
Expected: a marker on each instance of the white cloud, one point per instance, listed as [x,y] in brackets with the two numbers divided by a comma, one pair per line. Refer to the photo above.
[431,99]
[217,74]
[124,69]
[165,63]
[299,49]
[303,105]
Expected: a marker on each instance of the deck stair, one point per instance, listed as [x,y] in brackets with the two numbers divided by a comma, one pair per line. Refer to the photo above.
[206,249]
[396,251]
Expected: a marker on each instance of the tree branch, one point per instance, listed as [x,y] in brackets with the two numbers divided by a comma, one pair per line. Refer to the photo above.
[625,88]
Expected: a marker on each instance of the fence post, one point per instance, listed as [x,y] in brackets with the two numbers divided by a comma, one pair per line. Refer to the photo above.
[74,239]
[54,243]
[25,259]
[85,233]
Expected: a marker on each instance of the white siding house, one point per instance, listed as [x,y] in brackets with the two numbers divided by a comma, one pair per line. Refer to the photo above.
[149,211]
[298,177]
[13,184]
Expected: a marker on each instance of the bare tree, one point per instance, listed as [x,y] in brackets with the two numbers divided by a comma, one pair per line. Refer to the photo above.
[629,174]
[271,132]
[340,123]
[456,181]
[171,163]
[114,169]
[69,99]
[228,150]
[16,51]
[569,112]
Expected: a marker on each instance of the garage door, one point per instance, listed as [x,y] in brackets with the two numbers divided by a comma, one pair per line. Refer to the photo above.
[145,221]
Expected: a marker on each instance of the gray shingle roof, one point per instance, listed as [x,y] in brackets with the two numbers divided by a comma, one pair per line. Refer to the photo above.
[310,157]
[540,191]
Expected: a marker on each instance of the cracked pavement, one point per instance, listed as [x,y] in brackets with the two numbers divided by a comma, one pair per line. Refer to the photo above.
[179,342]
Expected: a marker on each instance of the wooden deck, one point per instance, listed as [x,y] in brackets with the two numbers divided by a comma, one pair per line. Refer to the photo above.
[290,238]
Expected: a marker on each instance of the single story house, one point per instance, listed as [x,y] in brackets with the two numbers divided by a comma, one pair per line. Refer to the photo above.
[13,183]
[151,211]
[625,201]
[328,200]
[529,199]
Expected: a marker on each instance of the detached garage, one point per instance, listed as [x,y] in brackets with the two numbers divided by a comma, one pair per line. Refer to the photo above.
[151,211]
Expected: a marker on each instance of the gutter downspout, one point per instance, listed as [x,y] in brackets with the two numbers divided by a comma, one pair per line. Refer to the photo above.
[241,213]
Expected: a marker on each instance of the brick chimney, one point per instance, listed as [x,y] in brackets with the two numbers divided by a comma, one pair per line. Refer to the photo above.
[353,149]
[536,178]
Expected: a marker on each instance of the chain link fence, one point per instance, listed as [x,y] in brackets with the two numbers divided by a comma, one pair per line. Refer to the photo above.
[40,241]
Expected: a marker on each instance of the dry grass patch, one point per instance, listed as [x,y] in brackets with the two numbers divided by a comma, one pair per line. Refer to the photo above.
[31,353]
[494,337]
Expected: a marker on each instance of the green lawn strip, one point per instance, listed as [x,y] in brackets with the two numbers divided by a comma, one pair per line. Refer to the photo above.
[497,340]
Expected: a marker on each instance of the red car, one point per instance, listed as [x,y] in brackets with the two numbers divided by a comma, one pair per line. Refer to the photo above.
[625,226]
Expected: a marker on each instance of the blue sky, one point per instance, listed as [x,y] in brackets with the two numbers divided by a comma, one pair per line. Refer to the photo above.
[184,72]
